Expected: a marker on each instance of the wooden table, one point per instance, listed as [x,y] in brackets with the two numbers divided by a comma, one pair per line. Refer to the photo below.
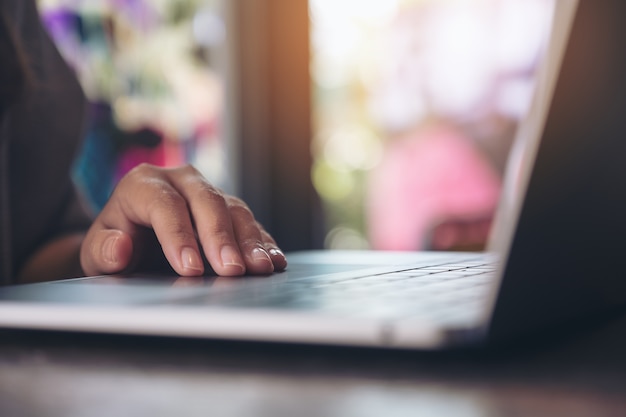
[53,374]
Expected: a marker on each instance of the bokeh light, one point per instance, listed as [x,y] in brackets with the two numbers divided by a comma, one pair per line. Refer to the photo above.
[386,71]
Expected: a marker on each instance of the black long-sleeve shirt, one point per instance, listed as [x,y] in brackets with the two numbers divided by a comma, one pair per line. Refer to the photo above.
[39,136]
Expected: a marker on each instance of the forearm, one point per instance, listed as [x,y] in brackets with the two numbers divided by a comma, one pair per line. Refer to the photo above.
[58,259]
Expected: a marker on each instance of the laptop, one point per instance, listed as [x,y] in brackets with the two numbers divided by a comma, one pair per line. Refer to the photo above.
[555,254]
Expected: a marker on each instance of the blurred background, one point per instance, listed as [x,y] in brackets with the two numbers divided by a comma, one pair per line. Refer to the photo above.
[345,124]
[149,71]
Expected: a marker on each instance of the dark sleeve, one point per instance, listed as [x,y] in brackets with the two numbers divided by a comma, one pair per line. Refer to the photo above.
[43,130]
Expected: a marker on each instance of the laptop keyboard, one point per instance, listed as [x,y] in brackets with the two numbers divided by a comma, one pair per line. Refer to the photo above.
[453,293]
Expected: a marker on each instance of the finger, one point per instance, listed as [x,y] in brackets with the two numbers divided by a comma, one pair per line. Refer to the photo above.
[213,222]
[106,251]
[276,255]
[174,230]
[249,238]
[146,198]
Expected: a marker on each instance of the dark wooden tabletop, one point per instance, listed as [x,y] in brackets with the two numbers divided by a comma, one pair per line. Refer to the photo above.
[569,373]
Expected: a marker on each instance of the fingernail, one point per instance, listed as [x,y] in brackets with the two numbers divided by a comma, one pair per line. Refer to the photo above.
[276,252]
[108,250]
[191,260]
[260,255]
[278,259]
[230,258]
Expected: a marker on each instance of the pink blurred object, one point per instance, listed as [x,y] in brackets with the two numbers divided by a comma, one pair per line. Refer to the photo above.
[432,178]
[165,154]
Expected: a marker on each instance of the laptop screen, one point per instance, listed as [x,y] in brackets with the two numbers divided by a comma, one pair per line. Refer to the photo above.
[524,149]
[563,215]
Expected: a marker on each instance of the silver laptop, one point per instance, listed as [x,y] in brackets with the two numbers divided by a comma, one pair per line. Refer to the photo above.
[555,254]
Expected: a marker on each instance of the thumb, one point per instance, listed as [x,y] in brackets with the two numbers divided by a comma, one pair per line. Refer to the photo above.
[106,251]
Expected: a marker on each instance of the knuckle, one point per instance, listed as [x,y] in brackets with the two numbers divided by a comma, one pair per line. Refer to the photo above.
[188,172]
[165,197]
[236,201]
[142,174]
[142,170]
[241,212]
[211,194]
[190,169]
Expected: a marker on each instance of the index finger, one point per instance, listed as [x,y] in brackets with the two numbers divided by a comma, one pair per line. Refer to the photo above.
[147,199]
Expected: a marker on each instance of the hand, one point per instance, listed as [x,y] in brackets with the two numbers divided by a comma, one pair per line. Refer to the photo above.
[157,214]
